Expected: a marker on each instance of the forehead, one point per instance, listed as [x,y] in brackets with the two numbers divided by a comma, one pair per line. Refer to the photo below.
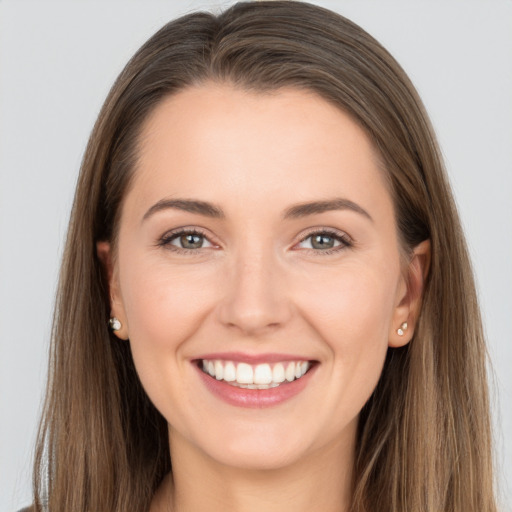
[227,144]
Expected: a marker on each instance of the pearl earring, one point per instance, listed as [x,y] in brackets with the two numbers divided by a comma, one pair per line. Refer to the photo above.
[114,324]
[401,329]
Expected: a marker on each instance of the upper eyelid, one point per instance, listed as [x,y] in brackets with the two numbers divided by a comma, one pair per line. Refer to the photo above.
[330,231]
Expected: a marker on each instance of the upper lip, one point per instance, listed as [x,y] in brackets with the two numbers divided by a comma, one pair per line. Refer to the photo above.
[253,358]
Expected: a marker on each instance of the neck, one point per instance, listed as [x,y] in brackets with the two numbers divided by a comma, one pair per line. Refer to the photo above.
[320,481]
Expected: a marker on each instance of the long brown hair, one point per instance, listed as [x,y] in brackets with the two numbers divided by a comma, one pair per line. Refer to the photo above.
[424,441]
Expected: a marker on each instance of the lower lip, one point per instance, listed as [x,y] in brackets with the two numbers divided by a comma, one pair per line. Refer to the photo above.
[255,398]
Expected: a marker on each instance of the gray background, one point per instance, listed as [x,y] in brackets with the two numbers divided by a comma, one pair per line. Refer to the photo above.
[57,62]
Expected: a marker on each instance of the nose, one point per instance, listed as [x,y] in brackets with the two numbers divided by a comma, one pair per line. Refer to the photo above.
[256,297]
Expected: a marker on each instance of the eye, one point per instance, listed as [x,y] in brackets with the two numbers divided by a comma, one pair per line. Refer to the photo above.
[185,240]
[192,240]
[325,241]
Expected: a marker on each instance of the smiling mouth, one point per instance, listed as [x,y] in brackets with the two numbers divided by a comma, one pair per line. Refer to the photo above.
[255,376]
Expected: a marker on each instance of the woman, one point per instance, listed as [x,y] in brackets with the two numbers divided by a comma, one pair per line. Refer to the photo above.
[266,300]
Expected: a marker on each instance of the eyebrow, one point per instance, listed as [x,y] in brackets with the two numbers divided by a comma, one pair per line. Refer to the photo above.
[293,212]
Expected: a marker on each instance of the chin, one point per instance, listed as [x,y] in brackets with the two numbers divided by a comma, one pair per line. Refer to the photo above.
[251,447]
[253,457]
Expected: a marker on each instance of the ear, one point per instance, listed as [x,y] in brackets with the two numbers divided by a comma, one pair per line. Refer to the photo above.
[409,297]
[104,252]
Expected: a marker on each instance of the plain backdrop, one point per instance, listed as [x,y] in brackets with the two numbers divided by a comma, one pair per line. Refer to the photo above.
[57,62]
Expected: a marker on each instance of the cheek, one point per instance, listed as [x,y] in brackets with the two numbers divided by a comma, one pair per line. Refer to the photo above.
[352,306]
[352,311]
[164,307]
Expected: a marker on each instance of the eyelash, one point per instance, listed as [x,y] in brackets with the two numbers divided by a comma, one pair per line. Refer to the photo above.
[343,238]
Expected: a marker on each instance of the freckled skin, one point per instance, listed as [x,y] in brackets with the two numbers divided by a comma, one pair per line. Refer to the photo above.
[256,285]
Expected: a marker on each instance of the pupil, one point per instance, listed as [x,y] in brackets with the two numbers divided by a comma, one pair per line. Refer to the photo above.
[191,241]
[322,242]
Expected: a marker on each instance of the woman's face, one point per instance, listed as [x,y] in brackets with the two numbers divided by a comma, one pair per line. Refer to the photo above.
[258,241]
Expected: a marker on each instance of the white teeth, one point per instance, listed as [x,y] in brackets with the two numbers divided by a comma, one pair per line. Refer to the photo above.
[260,376]
[244,373]
[278,373]
[229,372]
[257,386]
[290,372]
[219,370]
[268,386]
